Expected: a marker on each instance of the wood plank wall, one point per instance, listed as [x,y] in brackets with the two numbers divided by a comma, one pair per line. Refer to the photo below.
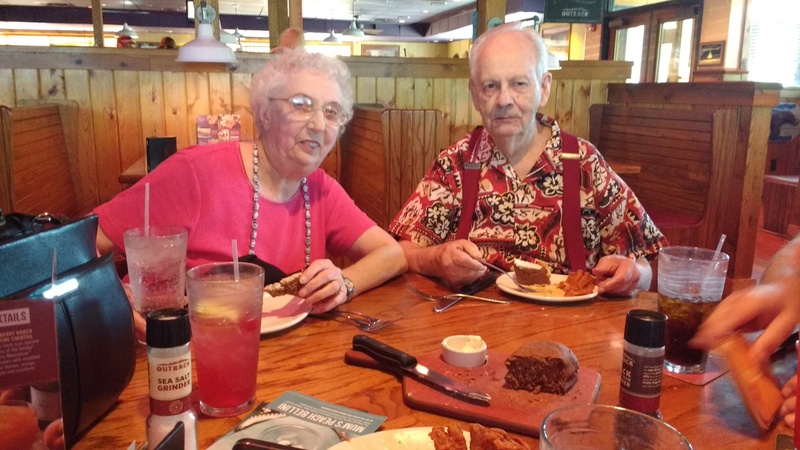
[126,95]
[744,110]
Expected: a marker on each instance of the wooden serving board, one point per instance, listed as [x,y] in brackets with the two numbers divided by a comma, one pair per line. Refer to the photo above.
[517,411]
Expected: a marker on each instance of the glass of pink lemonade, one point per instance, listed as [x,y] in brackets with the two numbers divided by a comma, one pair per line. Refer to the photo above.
[225,313]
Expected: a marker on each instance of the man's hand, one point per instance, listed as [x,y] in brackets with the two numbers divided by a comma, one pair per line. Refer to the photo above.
[457,262]
[618,275]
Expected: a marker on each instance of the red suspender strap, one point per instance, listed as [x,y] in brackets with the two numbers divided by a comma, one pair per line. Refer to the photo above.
[571,203]
[469,188]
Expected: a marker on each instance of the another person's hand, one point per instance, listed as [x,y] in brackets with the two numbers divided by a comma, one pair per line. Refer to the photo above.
[322,286]
[773,307]
[53,435]
[789,393]
[617,275]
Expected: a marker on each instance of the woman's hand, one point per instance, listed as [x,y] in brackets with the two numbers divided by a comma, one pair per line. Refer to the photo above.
[322,286]
[139,322]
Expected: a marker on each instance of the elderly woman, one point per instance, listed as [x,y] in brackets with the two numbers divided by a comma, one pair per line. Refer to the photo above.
[268,188]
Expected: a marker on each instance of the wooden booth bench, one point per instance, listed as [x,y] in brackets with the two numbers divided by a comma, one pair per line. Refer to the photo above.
[38,160]
[685,170]
[385,153]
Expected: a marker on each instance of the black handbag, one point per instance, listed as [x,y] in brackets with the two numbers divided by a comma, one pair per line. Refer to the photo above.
[94,321]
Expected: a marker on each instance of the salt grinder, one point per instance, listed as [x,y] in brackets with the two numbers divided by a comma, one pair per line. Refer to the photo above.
[643,361]
[169,362]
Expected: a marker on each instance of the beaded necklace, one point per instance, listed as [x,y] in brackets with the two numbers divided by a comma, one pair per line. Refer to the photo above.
[306,205]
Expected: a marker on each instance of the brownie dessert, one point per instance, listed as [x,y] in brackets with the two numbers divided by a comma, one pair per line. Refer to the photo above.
[289,285]
[542,366]
[578,283]
[531,272]
[481,438]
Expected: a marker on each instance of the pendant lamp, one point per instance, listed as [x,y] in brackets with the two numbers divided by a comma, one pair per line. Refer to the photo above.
[353,30]
[205,47]
[128,31]
[332,38]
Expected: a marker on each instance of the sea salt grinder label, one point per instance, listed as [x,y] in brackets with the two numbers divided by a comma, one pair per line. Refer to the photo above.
[170,385]
[640,382]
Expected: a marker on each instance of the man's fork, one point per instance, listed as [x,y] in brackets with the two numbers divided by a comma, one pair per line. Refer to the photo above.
[455,296]
[512,278]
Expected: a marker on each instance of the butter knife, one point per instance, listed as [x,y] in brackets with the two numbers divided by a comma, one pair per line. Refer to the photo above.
[398,359]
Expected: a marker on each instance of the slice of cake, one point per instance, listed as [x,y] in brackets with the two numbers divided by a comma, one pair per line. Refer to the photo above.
[531,272]
[289,285]
[542,366]
[578,283]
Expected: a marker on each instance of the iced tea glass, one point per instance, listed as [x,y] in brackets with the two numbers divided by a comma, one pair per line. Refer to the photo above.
[156,267]
[690,285]
[225,314]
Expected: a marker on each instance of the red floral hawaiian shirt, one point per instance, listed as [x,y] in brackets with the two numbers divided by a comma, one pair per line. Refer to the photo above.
[521,218]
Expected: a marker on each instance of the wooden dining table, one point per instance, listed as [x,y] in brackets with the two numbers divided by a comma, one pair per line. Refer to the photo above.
[308,358]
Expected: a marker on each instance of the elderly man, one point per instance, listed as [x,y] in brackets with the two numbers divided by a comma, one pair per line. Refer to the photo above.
[520,185]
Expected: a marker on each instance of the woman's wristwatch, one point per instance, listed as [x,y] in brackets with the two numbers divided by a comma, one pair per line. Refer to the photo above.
[350,287]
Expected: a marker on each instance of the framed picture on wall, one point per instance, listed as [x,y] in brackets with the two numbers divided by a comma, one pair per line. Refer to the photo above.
[380,50]
[711,54]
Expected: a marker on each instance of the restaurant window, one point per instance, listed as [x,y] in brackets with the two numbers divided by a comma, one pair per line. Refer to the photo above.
[619,5]
[658,39]
[773,53]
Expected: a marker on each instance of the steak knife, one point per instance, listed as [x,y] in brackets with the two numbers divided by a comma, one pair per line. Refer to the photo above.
[395,358]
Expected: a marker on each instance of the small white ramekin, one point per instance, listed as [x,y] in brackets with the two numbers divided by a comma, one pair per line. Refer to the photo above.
[464,351]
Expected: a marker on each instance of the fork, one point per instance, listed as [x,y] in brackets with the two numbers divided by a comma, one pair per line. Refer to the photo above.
[456,296]
[363,321]
[514,279]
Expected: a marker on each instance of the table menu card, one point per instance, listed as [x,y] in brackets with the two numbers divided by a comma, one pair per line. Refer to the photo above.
[30,398]
[301,421]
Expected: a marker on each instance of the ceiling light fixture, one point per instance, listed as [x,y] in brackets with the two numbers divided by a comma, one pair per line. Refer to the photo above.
[332,39]
[353,30]
[128,31]
[205,47]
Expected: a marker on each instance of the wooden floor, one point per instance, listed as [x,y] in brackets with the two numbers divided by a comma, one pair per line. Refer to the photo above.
[767,244]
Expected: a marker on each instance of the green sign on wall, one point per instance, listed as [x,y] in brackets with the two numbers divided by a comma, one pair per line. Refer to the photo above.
[573,11]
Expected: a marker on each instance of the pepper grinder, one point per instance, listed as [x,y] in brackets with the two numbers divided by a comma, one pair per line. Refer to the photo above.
[643,361]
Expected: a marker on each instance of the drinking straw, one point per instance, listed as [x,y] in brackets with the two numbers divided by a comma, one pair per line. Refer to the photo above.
[235,252]
[719,246]
[147,209]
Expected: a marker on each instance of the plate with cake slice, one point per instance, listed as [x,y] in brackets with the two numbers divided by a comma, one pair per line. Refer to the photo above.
[550,292]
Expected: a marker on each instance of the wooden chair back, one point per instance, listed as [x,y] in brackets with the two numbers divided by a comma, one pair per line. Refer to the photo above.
[38,163]
[385,154]
[686,177]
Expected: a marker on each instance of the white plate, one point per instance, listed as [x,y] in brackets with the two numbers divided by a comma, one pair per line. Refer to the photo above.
[403,439]
[506,284]
[281,312]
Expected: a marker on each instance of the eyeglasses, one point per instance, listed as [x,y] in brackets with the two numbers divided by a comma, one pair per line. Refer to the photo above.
[303,108]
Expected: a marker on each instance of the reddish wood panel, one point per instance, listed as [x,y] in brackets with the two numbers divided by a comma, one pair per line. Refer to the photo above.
[779,197]
[36,163]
